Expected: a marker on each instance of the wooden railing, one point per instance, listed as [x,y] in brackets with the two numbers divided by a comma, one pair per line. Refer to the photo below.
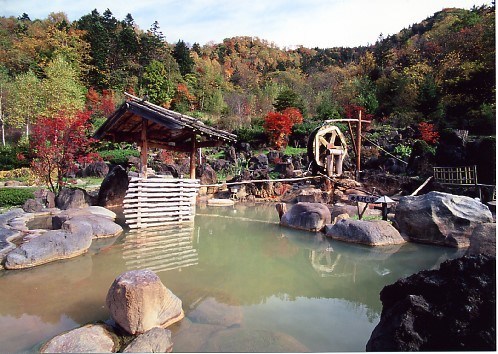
[461,176]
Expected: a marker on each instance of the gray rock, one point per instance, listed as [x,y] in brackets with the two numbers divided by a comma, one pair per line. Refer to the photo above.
[483,240]
[33,206]
[51,246]
[138,302]
[87,339]
[101,227]
[69,198]
[372,233]
[307,216]
[440,218]
[156,340]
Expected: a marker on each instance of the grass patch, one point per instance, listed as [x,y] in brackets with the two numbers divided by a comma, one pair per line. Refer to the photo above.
[289,150]
[15,196]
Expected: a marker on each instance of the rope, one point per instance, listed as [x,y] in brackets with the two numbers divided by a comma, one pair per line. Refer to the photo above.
[387,152]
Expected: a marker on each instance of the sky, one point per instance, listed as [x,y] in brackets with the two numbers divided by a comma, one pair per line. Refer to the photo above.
[286,23]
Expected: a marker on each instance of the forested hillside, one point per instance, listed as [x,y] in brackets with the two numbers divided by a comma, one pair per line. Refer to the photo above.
[441,70]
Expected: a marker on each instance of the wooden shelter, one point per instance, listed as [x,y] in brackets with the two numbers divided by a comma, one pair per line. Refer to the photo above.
[139,121]
[157,201]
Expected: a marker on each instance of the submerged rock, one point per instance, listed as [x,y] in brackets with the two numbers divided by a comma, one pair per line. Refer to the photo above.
[307,216]
[87,339]
[138,302]
[450,309]
[372,233]
[156,340]
[253,341]
[210,311]
[440,218]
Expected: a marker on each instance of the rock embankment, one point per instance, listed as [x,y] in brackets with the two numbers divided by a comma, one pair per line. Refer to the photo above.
[73,234]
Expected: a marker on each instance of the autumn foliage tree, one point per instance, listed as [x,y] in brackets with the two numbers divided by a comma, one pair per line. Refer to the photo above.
[428,132]
[58,144]
[278,125]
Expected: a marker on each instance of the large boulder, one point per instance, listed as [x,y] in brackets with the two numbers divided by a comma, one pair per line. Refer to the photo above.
[483,240]
[69,198]
[156,340]
[450,309]
[101,227]
[372,233]
[307,216]
[113,188]
[138,302]
[87,339]
[440,218]
[53,245]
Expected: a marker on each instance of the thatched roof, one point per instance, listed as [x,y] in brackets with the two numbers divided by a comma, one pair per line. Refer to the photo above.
[165,128]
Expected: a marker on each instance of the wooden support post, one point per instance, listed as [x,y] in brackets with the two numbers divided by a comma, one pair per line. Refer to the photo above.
[358,148]
[143,149]
[192,158]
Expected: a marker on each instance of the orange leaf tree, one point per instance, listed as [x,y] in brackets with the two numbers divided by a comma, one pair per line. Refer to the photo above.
[428,132]
[278,126]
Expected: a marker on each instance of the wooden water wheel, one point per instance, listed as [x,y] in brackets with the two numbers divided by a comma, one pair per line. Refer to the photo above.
[327,149]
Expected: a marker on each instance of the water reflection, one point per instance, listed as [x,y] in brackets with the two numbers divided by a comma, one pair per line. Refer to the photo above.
[161,249]
[239,270]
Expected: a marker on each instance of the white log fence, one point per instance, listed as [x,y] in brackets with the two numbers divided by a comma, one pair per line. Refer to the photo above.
[157,201]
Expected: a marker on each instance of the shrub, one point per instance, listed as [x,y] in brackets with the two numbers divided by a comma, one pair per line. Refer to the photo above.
[12,157]
[118,156]
[15,196]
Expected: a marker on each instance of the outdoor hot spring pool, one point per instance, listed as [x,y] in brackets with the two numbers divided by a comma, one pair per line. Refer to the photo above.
[242,278]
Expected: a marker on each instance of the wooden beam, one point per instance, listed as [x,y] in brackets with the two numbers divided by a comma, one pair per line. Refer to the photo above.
[143,149]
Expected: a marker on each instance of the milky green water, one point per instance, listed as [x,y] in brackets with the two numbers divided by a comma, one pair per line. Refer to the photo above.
[246,284]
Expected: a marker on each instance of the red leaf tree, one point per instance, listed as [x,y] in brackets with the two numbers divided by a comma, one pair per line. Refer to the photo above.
[428,132]
[58,144]
[278,125]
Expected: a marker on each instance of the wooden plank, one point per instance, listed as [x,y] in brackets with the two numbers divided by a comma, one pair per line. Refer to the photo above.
[143,215]
[158,223]
[163,185]
[160,205]
[166,179]
[150,211]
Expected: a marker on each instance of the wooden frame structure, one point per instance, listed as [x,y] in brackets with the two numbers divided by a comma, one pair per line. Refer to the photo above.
[152,126]
[157,201]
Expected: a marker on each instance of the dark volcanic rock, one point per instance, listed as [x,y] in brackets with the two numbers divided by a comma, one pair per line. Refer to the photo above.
[453,308]
[113,188]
